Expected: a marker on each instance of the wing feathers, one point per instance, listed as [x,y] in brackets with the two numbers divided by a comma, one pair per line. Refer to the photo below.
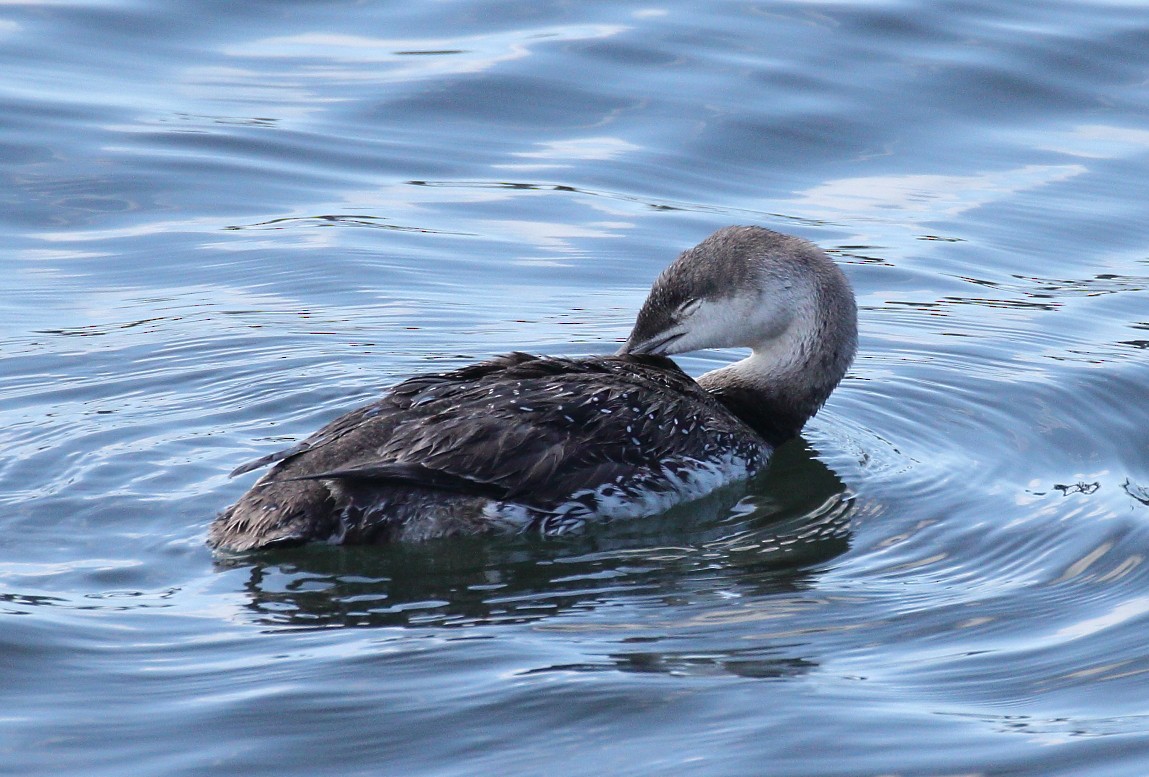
[518,427]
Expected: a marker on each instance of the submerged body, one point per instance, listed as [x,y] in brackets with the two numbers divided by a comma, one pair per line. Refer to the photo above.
[525,443]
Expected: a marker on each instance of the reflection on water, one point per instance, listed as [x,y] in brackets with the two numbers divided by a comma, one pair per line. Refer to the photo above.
[795,518]
[755,663]
[931,197]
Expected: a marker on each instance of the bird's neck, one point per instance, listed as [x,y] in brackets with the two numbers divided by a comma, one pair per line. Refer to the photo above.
[771,407]
[783,383]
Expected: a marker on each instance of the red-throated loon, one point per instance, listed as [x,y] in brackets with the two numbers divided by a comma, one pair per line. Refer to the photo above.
[538,443]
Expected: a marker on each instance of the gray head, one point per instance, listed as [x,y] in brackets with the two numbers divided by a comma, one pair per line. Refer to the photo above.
[778,295]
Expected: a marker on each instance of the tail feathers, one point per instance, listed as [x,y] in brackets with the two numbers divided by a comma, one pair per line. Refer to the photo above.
[282,514]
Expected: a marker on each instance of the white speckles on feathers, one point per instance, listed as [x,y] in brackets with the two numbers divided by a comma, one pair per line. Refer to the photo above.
[442,455]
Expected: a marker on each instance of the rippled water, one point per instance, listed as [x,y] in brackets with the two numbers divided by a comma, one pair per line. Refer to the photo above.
[226,223]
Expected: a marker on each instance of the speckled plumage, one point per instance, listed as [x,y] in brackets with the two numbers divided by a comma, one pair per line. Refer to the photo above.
[441,453]
[528,443]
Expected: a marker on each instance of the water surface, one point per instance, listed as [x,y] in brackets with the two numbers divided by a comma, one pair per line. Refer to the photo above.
[226,224]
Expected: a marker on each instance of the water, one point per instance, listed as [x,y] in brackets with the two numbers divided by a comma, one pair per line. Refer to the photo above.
[226,223]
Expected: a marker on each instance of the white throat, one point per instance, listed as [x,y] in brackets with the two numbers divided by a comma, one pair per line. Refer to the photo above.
[776,360]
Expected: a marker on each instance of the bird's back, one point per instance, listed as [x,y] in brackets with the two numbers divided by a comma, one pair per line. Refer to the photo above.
[511,443]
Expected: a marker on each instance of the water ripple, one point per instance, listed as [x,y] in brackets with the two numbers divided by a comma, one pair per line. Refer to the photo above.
[224,227]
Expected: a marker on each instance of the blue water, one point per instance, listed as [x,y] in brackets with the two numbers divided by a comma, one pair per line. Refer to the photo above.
[226,223]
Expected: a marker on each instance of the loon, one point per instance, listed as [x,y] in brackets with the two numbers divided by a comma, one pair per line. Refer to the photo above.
[523,443]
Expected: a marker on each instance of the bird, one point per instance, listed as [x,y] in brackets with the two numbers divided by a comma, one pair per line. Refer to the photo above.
[521,443]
